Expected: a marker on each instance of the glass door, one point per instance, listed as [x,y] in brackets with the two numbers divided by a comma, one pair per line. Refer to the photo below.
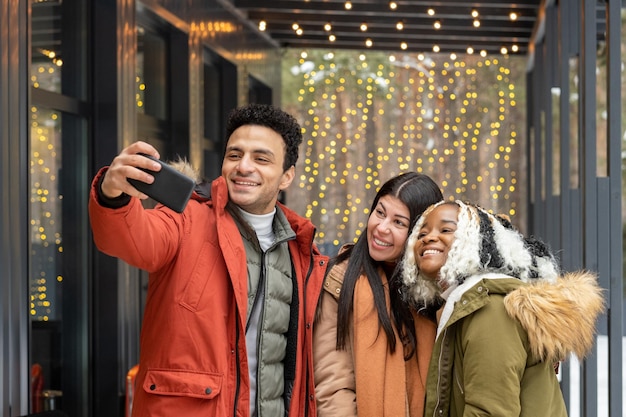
[58,233]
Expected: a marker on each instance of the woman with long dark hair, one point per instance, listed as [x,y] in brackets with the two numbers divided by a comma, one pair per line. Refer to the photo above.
[370,350]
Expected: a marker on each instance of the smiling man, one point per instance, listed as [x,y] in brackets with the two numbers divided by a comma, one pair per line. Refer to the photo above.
[234,278]
[256,169]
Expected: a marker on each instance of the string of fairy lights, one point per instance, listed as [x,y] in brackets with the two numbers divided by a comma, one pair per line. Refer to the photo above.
[365,118]
[45,225]
[369,117]
[434,18]
[45,198]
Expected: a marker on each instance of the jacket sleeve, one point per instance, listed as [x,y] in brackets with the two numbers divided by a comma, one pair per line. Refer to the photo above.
[334,369]
[146,239]
[494,349]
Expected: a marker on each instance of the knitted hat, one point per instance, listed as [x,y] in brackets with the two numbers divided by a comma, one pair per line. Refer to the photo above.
[484,243]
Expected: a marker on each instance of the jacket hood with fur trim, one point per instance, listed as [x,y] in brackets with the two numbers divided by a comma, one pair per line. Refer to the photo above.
[202,190]
[559,317]
[559,312]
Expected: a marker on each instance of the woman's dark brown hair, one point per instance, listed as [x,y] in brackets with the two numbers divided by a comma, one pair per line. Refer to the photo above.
[417,192]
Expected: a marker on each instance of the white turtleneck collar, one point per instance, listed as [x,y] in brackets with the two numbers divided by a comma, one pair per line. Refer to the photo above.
[262,225]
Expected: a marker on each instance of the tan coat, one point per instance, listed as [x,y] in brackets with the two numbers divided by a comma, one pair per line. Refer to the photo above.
[387,385]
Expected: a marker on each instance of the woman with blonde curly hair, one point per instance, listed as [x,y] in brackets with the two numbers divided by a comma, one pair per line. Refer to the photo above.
[505,314]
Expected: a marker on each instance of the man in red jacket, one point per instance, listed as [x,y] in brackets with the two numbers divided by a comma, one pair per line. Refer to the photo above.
[234,278]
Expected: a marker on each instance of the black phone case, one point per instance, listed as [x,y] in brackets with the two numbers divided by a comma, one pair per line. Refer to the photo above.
[170,187]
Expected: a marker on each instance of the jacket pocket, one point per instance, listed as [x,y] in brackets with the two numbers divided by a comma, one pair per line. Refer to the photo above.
[459,384]
[183,383]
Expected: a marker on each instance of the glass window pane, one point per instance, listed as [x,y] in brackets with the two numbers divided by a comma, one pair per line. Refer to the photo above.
[212,102]
[57,210]
[574,141]
[59,47]
[152,73]
[555,95]
[46,248]
[47,57]
[601,110]
[59,309]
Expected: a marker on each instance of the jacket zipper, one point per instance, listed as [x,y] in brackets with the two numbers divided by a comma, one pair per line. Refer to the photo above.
[306,357]
[304,298]
[260,290]
[443,341]
[238,370]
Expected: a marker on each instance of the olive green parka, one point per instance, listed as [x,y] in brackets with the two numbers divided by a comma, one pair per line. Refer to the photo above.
[498,341]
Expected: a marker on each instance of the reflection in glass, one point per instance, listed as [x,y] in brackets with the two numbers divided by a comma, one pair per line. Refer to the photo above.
[623,93]
[574,116]
[46,250]
[555,94]
[601,111]
[45,214]
[152,78]
[140,94]
[46,51]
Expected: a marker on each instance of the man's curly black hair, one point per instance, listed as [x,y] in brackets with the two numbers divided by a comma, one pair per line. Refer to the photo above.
[274,118]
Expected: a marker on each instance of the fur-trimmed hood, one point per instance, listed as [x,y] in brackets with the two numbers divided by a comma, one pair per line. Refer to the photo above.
[484,243]
[559,317]
[202,190]
[184,166]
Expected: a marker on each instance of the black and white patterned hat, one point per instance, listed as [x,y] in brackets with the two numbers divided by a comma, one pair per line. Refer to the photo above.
[484,243]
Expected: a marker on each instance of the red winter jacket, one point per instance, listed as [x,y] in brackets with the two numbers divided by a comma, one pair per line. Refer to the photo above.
[193,355]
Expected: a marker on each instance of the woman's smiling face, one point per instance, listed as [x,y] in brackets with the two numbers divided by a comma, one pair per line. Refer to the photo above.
[388,229]
[435,239]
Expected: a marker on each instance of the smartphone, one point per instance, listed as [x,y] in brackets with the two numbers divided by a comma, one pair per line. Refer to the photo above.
[170,187]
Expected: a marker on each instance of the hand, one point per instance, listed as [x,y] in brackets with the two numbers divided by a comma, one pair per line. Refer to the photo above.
[126,165]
